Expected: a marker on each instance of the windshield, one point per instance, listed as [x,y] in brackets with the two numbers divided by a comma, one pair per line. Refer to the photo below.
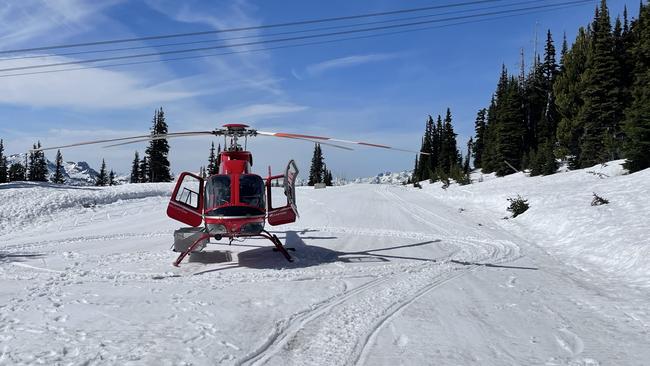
[251,190]
[217,191]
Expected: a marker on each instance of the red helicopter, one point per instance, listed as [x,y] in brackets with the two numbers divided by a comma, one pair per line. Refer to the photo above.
[235,203]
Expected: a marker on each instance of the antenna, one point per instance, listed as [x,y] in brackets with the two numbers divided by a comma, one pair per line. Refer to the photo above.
[535,54]
[522,68]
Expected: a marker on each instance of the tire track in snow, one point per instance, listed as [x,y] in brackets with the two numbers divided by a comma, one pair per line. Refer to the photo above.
[339,330]
[284,329]
[336,332]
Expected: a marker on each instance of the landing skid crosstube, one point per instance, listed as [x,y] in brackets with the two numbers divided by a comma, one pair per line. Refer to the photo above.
[279,247]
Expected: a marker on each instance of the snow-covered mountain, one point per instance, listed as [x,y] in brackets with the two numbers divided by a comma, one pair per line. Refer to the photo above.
[76,173]
[387,178]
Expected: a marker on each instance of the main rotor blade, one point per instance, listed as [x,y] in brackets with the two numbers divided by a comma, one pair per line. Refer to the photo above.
[320,139]
[315,141]
[140,137]
[161,137]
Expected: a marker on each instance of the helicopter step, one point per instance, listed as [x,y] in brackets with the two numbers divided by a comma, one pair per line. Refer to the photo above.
[279,247]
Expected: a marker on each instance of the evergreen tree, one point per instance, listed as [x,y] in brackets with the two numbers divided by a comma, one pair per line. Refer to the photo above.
[145,172]
[58,177]
[136,175]
[327,176]
[427,162]
[466,164]
[213,167]
[111,178]
[448,155]
[416,173]
[30,164]
[568,92]
[511,129]
[565,47]
[158,150]
[37,165]
[3,164]
[489,154]
[17,172]
[543,158]
[637,116]
[534,102]
[102,178]
[602,111]
[316,169]
[479,143]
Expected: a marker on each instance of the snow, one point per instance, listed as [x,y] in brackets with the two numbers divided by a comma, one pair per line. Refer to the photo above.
[387,178]
[384,275]
[75,174]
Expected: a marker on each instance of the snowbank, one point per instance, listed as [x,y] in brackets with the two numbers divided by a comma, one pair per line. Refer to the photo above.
[612,238]
[21,203]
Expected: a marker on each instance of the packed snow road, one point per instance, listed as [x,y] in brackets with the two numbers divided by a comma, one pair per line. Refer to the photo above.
[383,275]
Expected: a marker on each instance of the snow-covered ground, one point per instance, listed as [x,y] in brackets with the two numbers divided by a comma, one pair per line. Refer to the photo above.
[384,275]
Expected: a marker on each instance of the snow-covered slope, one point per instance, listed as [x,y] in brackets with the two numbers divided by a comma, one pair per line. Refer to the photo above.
[383,275]
[612,238]
[76,174]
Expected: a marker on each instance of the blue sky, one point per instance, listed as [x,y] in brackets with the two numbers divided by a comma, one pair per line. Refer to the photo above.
[376,89]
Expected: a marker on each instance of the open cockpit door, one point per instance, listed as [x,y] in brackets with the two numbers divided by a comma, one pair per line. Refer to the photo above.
[288,213]
[290,175]
[186,204]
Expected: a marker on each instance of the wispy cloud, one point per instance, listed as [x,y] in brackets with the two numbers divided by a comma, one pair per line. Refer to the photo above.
[22,21]
[251,70]
[88,89]
[348,61]
[257,111]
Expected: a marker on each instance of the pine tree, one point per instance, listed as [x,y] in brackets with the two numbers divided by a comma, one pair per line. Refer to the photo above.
[602,111]
[534,102]
[213,167]
[111,178]
[543,158]
[437,141]
[479,143]
[316,169]
[158,150]
[637,116]
[327,176]
[448,150]
[30,164]
[102,178]
[426,162]
[3,164]
[58,177]
[488,156]
[145,172]
[416,173]
[37,165]
[136,175]
[17,172]
[466,164]
[568,88]
[511,130]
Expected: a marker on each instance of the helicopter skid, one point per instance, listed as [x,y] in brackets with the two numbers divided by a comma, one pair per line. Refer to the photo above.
[279,247]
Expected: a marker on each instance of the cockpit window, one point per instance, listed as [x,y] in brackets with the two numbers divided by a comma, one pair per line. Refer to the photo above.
[217,191]
[251,190]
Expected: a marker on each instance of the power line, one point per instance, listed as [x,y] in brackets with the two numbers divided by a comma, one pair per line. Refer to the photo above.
[321,35]
[269,34]
[565,6]
[267,26]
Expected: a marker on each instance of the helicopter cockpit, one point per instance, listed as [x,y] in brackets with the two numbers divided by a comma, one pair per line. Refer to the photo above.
[234,195]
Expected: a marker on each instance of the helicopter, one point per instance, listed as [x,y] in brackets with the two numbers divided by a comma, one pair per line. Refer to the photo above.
[234,203]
